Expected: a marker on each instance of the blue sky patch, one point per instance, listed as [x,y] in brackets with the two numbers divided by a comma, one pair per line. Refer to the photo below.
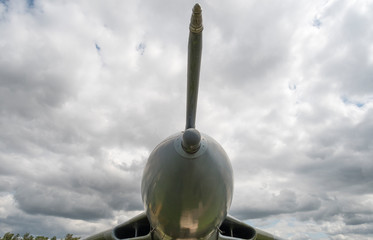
[141,48]
[5,2]
[292,86]
[316,22]
[346,100]
[30,3]
[97,47]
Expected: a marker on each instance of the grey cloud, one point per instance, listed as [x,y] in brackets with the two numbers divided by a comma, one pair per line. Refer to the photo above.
[358,218]
[92,196]
[53,202]
[35,225]
[344,59]
[286,202]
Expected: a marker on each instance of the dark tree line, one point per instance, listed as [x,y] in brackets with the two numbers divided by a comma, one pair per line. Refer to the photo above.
[28,236]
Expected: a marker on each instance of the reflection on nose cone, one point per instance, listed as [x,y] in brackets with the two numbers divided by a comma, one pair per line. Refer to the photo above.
[189,219]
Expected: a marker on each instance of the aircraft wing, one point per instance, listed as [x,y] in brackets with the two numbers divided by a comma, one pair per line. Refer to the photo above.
[138,228]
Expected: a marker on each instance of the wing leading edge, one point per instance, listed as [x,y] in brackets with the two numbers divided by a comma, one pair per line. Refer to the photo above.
[139,228]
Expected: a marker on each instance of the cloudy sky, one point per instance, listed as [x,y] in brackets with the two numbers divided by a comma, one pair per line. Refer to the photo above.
[89,88]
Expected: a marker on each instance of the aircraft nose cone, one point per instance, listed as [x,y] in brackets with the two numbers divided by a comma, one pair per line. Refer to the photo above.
[191,140]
